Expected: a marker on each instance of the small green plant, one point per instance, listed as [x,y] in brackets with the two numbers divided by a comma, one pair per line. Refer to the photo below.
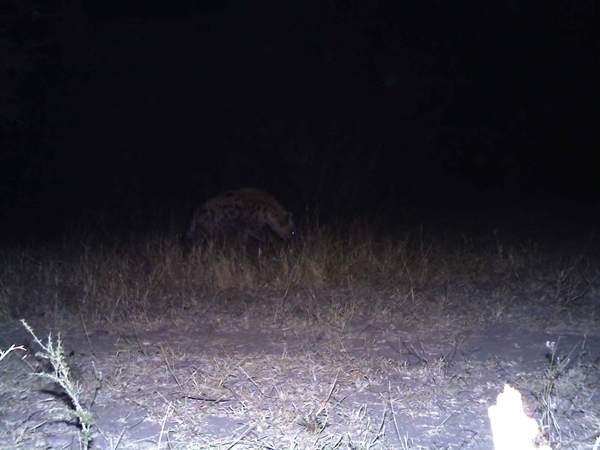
[60,375]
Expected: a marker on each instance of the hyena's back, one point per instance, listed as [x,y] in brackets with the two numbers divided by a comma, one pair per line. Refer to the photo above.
[244,213]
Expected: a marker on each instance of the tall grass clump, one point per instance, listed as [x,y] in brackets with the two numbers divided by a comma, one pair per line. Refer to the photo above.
[145,276]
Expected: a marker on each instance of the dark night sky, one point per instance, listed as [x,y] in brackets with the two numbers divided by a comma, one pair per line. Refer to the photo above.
[131,107]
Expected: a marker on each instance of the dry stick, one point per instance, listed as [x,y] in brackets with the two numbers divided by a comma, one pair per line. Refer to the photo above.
[381,430]
[331,389]
[162,350]
[393,412]
[439,427]
[412,351]
[335,445]
[242,436]
[452,353]
[97,374]
[241,402]
[253,382]
[87,336]
[162,426]
[119,438]
[196,370]
[3,354]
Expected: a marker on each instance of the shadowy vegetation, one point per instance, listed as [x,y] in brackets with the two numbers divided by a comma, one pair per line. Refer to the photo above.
[334,283]
[147,277]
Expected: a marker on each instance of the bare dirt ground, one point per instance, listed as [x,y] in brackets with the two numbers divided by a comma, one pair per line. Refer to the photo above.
[381,380]
[342,342]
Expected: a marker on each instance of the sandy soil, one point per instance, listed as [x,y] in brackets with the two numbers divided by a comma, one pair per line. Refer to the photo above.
[232,381]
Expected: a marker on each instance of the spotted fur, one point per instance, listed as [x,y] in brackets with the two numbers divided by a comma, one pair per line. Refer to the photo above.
[245,214]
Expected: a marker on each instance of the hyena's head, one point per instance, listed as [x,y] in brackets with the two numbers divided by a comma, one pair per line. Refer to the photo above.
[282,225]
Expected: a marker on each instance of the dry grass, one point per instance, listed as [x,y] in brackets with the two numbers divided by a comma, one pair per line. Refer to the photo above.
[329,289]
[147,278]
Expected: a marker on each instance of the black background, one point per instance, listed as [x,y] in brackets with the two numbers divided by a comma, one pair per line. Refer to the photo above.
[126,111]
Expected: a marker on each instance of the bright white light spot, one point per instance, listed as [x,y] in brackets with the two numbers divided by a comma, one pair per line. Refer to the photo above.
[511,428]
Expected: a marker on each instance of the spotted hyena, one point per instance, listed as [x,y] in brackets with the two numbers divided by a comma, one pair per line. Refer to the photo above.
[242,214]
